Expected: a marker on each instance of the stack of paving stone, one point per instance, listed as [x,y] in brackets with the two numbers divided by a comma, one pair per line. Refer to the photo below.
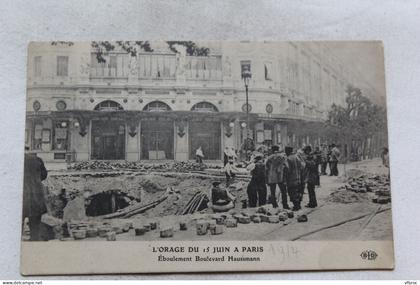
[378,185]
[179,166]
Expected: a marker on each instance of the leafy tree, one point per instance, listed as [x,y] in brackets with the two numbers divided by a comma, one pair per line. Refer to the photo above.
[358,120]
[134,47]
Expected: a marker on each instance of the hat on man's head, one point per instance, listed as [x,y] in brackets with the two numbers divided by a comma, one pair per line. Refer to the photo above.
[288,149]
[258,156]
[307,148]
[275,147]
[216,183]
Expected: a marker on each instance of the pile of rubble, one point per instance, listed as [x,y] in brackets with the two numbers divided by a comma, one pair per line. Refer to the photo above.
[178,166]
[378,185]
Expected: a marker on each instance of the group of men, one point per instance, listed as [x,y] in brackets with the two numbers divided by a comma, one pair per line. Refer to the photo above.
[292,172]
[330,155]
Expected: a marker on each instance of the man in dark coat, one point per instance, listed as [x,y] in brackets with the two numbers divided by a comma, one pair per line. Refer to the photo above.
[312,179]
[257,190]
[33,195]
[294,177]
[275,169]
[301,155]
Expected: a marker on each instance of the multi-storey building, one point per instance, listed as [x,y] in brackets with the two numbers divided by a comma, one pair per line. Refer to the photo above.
[164,105]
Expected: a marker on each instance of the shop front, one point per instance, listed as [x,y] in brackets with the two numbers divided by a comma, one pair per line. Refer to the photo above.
[207,135]
[157,139]
[108,140]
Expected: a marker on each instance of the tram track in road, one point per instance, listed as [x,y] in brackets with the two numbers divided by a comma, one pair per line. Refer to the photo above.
[370,216]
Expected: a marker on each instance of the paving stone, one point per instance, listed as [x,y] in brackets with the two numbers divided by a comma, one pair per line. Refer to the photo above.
[202,227]
[273,219]
[217,230]
[244,220]
[111,236]
[231,223]
[167,232]
[183,226]
[302,219]
[140,231]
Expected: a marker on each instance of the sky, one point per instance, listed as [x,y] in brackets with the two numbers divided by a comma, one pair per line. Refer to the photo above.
[365,57]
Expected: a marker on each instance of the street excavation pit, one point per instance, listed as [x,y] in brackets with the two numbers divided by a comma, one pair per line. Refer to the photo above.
[107,202]
[131,194]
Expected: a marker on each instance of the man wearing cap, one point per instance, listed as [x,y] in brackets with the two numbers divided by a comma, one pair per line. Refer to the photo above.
[294,177]
[257,190]
[275,167]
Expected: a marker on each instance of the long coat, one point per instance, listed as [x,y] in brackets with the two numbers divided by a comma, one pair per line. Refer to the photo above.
[312,175]
[294,171]
[33,192]
[275,167]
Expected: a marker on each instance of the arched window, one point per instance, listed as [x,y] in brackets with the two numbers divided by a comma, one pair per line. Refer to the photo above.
[204,107]
[156,106]
[108,105]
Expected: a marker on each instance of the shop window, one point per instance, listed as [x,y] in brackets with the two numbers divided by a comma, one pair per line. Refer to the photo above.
[156,106]
[60,135]
[37,66]
[62,65]
[37,139]
[204,107]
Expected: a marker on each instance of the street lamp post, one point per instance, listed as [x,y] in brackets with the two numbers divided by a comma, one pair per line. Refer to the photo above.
[246,76]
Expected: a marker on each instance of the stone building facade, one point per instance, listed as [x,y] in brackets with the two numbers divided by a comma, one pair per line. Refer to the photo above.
[164,105]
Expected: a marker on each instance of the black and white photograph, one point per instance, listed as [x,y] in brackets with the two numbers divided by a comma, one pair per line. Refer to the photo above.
[195,141]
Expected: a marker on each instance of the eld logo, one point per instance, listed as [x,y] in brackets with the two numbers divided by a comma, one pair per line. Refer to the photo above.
[369,255]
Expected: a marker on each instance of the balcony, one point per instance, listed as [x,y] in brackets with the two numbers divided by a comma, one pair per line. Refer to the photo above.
[157,67]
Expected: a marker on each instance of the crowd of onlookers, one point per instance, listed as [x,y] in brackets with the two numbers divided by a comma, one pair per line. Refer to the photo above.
[279,168]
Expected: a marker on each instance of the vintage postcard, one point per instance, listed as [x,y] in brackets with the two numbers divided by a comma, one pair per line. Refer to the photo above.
[193,156]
